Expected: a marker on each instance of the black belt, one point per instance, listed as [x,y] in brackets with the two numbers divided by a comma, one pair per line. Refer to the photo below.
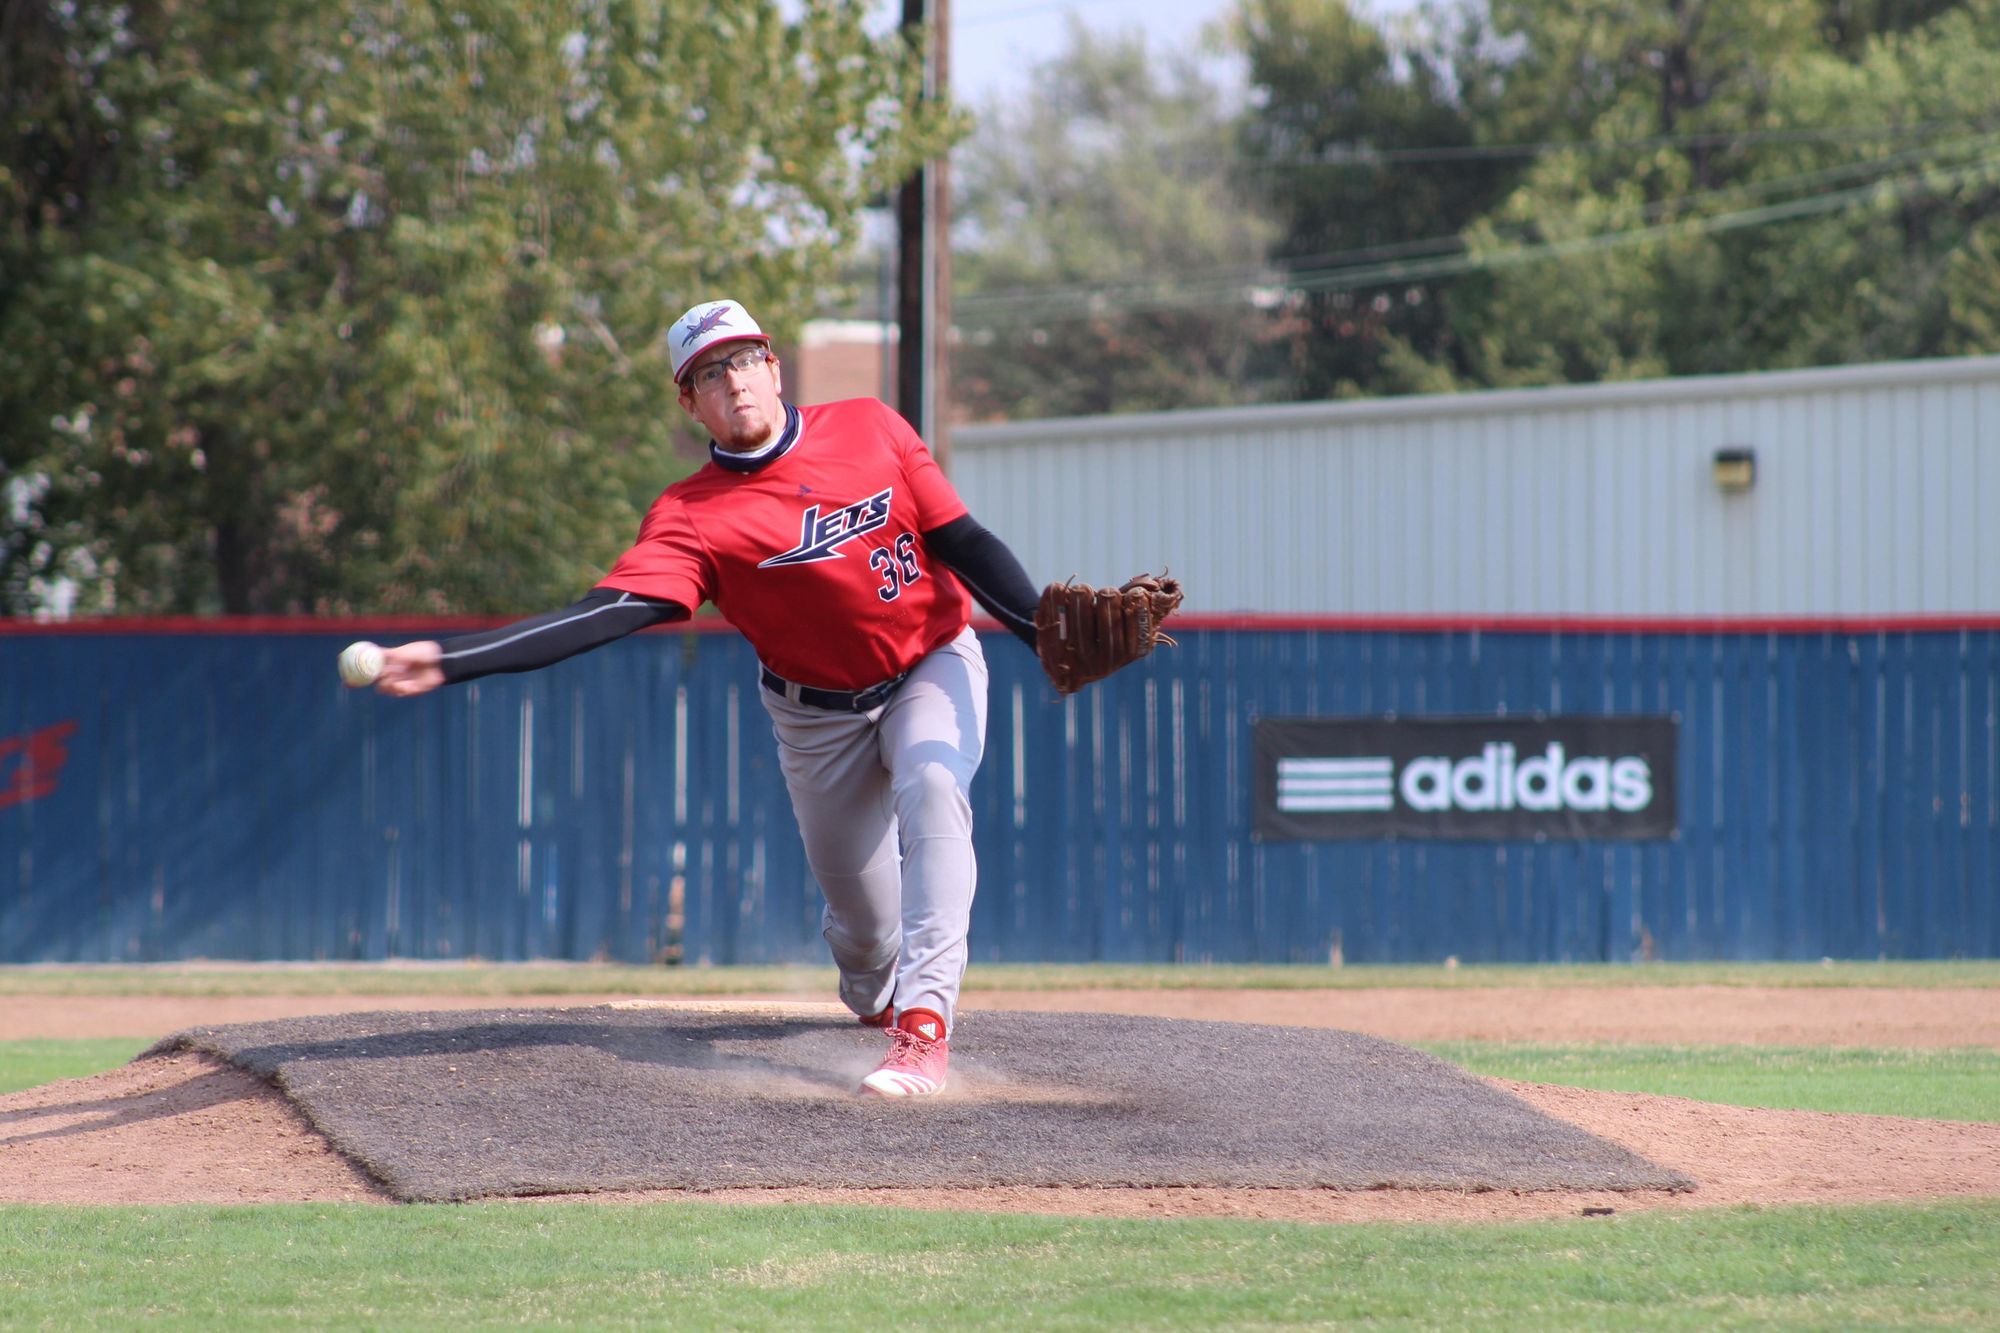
[839,701]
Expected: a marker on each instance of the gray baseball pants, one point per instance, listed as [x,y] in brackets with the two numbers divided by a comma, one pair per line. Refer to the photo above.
[883,804]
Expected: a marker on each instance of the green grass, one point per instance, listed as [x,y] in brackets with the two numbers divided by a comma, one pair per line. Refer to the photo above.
[210,979]
[713,1266]
[1962,1084]
[403,978]
[708,1266]
[1955,1084]
[33,1062]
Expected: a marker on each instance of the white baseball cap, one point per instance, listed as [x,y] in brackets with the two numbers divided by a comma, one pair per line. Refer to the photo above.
[707,324]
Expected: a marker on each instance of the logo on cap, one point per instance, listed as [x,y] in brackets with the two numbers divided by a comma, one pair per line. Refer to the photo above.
[714,319]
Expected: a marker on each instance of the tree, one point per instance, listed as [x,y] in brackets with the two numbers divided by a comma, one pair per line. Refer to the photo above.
[1370,149]
[331,306]
[1848,25]
[1107,255]
[1758,188]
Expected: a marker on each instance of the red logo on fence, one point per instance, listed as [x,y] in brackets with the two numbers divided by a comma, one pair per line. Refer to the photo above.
[29,764]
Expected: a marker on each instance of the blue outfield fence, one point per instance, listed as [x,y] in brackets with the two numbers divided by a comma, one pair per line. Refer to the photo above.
[179,793]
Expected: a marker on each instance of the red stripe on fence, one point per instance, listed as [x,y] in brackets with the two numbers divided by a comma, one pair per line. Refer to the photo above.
[404,626]
[1941,622]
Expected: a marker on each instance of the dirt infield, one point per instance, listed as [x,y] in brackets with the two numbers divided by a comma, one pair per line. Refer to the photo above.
[1684,1015]
[188,1128]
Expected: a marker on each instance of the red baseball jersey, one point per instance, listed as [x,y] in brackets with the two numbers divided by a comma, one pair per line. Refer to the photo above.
[818,556]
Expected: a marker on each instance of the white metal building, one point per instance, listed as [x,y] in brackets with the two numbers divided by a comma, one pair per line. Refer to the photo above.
[1872,490]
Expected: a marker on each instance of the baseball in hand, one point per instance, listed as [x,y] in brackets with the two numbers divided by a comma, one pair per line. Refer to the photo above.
[360,663]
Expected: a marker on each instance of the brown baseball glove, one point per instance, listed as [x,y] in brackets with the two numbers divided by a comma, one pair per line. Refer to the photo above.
[1084,634]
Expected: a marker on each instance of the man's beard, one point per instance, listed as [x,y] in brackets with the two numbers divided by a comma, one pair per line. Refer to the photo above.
[746,434]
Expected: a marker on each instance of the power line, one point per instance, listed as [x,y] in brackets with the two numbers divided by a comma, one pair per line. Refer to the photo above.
[1652,210]
[1363,155]
[1287,270]
[1154,297]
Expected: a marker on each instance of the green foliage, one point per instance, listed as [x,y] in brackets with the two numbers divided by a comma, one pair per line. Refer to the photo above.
[700,1265]
[1087,209]
[1586,68]
[1757,187]
[1520,192]
[333,307]
[1344,126]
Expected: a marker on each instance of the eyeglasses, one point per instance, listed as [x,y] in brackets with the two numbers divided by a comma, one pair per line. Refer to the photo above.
[743,362]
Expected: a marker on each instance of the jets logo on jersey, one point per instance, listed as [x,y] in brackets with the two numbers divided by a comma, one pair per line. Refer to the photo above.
[821,538]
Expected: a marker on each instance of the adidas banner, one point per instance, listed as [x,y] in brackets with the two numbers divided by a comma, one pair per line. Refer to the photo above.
[1501,778]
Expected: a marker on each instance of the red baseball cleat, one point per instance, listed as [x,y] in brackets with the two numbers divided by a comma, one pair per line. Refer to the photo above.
[918,1057]
[885,1019]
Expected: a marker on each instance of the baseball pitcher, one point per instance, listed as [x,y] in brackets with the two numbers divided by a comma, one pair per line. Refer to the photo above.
[832,540]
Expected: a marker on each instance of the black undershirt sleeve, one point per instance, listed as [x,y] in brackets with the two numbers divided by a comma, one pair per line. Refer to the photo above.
[601,615]
[990,572]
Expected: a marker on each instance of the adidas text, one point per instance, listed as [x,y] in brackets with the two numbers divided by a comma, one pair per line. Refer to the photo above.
[1496,779]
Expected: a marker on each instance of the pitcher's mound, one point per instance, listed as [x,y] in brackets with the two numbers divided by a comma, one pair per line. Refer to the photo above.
[460,1105]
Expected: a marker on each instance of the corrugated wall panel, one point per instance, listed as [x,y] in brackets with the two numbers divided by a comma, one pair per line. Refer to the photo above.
[222,796]
[1873,487]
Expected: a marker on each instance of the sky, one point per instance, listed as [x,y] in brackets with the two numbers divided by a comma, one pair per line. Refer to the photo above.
[994,42]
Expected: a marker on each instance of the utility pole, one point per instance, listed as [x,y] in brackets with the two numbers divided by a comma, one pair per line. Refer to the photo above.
[923,260]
